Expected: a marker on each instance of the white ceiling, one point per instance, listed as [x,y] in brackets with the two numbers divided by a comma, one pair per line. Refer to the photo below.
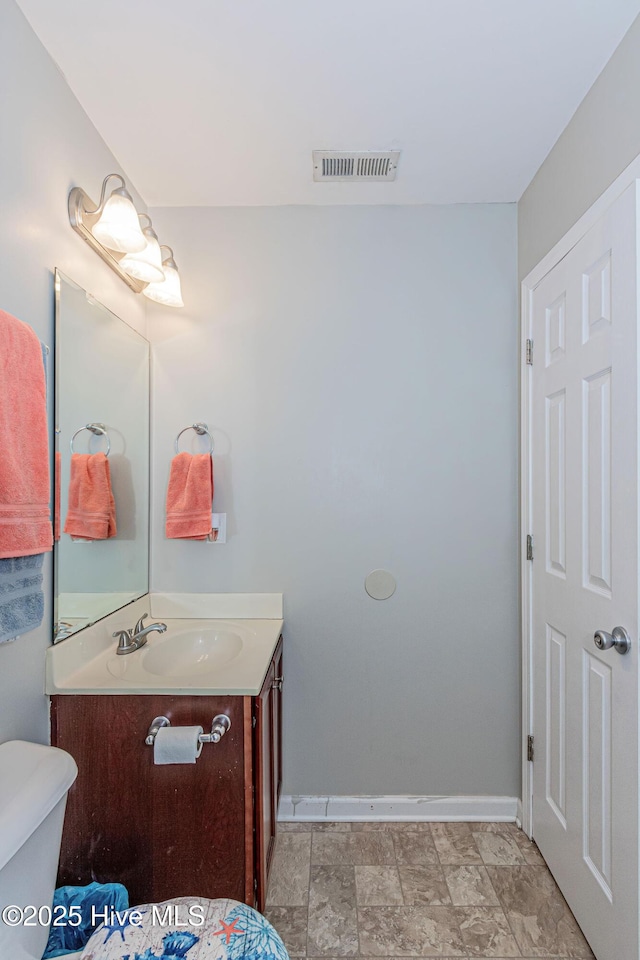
[220,102]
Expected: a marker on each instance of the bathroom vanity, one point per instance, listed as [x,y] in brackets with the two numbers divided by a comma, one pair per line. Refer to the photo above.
[190,829]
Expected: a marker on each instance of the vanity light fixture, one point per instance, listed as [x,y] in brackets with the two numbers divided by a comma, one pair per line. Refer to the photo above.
[167,291]
[145,264]
[117,226]
[112,228]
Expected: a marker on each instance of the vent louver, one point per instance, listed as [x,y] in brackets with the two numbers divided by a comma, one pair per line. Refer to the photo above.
[365,165]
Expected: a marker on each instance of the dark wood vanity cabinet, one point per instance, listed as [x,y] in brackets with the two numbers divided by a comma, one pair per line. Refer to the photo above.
[268,780]
[205,829]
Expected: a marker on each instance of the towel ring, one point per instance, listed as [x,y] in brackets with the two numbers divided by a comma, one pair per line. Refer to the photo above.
[201,429]
[98,430]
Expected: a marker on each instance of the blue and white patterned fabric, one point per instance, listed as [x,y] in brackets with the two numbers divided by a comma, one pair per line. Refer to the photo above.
[86,903]
[186,928]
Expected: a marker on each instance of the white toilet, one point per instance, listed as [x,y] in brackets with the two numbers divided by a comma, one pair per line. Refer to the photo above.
[34,781]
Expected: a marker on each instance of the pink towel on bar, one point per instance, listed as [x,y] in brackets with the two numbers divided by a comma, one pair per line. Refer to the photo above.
[91,513]
[189,497]
[25,524]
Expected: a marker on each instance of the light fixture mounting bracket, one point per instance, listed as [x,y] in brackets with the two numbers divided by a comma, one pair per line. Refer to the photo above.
[82,219]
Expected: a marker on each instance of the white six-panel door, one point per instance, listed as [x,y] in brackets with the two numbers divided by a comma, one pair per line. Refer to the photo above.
[584,454]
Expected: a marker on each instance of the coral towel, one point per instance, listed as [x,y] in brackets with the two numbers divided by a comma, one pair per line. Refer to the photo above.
[25,525]
[91,514]
[189,497]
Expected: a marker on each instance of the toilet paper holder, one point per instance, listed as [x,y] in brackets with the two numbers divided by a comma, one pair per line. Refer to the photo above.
[219,726]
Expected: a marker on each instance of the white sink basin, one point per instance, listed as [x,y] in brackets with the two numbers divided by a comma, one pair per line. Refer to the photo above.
[191,652]
[195,655]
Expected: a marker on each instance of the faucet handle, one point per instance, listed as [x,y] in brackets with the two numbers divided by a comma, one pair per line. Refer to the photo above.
[140,624]
[124,638]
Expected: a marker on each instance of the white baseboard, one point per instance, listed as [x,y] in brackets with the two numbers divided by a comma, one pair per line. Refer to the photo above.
[294,808]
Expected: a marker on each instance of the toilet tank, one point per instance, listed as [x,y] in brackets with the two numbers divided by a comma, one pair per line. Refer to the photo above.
[34,781]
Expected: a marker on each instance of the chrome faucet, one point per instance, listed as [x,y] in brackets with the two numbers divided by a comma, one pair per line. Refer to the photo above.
[136,637]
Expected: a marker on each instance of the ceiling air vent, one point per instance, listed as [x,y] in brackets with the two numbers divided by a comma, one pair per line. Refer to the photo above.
[364,165]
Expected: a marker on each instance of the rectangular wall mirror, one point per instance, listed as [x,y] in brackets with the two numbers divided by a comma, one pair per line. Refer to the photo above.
[101,407]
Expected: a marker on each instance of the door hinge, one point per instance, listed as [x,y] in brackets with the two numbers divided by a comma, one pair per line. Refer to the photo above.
[254,720]
[530,748]
[529,352]
[529,547]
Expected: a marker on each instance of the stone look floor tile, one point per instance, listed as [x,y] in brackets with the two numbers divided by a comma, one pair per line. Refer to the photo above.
[540,919]
[455,844]
[456,908]
[333,922]
[470,886]
[414,847]
[498,849]
[486,932]
[528,849]
[366,849]
[424,884]
[289,880]
[378,887]
[291,924]
[410,932]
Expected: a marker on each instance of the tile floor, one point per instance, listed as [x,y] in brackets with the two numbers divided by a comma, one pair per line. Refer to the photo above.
[388,890]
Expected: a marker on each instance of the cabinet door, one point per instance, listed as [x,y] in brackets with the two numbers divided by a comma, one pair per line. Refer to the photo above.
[267,752]
[277,723]
[164,831]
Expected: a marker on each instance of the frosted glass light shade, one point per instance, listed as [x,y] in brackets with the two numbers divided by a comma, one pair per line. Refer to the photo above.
[118,227]
[168,291]
[147,264]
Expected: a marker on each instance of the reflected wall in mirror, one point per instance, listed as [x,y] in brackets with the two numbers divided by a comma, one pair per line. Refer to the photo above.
[102,380]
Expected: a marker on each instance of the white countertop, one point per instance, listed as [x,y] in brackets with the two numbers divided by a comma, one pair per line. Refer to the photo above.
[195,656]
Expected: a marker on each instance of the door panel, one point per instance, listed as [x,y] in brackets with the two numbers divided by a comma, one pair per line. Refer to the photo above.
[596,537]
[585,578]
[556,752]
[597,769]
[555,506]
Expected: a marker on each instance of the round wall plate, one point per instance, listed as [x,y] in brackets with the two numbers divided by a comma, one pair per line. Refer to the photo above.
[380,584]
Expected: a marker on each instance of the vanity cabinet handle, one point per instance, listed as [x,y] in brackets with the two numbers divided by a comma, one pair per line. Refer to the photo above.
[277,683]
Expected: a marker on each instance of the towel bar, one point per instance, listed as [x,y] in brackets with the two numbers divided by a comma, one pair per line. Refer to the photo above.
[201,429]
[98,430]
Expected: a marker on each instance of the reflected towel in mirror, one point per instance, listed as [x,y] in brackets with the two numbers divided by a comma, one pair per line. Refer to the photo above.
[91,514]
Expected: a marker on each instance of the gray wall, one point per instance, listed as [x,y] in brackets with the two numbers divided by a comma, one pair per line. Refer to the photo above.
[602,138]
[47,145]
[358,367]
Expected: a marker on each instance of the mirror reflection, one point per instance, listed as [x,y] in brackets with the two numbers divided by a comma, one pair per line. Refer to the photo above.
[101,461]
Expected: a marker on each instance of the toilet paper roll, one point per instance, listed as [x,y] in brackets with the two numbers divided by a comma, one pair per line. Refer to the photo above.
[177,745]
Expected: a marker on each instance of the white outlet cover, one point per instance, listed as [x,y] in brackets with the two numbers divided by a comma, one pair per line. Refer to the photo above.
[380,584]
